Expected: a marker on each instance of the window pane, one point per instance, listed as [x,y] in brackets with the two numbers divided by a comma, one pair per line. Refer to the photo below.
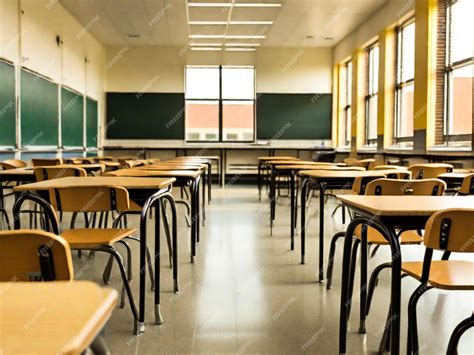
[405,122]
[202,83]
[349,83]
[238,83]
[462,30]
[374,70]
[202,120]
[372,118]
[238,122]
[408,52]
[461,101]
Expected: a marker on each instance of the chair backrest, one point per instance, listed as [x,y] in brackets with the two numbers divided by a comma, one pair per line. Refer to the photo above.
[55,172]
[13,164]
[451,230]
[393,187]
[46,162]
[429,171]
[467,186]
[34,255]
[360,183]
[351,162]
[89,199]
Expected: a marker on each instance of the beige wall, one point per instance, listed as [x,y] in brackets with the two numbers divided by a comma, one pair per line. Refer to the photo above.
[391,12]
[36,49]
[161,69]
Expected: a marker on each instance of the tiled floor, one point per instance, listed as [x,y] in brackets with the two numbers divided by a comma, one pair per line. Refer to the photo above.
[248,293]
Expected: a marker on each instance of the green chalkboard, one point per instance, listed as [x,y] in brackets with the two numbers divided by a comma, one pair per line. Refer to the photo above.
[145,116]
[72,118]
[39,110]
[7,105]
[92,117]
[294,116]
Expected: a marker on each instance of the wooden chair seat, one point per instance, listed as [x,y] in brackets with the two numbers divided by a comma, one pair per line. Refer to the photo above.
[92,238]
[375,237]
[444,274]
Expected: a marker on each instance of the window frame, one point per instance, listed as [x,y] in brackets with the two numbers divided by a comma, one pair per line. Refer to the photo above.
[221,101]
[449,69]
[371,94]
[348,107]
[400,85]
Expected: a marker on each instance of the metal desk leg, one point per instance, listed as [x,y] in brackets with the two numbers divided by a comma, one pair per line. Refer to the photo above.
[174,224]
[193,220]
[203,202]
[272,198]
[322,188]
[259,181]
[304,191]
[158,316]
[292,209]
[209,183]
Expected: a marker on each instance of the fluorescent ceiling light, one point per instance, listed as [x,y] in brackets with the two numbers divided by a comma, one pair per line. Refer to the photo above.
[245,37]
[240,49]
[223,23]
[208,23]
[214,49]
[228,4]
[242,44]
[259,4]
[206,44]
[207,36]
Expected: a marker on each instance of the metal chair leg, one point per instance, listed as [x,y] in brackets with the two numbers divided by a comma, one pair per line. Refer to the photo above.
[332,255]
[412,340]
[373,283]
[352,275]
[460,329]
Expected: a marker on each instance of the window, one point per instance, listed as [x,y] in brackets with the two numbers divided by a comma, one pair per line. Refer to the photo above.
[346,103]
[220,103]
[404,93]
[372,96]
[459,72]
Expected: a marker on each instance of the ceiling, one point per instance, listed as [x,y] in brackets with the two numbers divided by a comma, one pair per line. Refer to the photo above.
[237,24]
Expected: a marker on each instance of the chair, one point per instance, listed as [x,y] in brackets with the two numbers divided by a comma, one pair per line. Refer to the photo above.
[46,161]
[54,172]
[97,199]
[34,255]
[388,187]
[458,332]
[13,164]
[450,231]
[467,185]
[429,171]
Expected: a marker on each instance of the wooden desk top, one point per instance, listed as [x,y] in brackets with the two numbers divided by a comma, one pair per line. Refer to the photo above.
[193,174]
[19,171]
[52,317]
[173,166]
[73,181]
[97,166]
[277,158]
[316,167]
[297,162]
[406,205]
[454,175]
[431,165]
[207,157]
[338,173]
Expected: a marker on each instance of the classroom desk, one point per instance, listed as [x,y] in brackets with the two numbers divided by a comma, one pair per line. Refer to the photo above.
[141,190]
[57,317]
[326,179]
[199,160]
[274,172]
[387,213]
[208,159]
[182,177]
[291,170]
[262,164]
[89,168]
[453,180]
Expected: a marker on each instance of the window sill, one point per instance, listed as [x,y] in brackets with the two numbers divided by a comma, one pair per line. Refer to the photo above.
[367,149]
[397,148]
[447,148]
[343,150]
